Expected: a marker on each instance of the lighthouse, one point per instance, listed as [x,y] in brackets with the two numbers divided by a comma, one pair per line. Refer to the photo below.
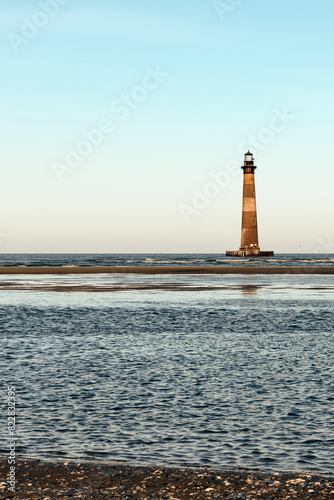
[249,231]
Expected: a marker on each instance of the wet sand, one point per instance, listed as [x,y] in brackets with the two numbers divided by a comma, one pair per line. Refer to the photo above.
[149,287]
[119,287]
[94,481]
[167,270]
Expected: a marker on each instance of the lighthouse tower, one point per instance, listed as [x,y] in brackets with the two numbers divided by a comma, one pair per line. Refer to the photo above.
[249,232]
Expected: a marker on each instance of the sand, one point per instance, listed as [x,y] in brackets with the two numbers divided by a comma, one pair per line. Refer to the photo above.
[38,479]
[167,270]
[128,287]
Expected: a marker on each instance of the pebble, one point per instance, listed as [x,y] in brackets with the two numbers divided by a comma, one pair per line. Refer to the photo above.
[96,481]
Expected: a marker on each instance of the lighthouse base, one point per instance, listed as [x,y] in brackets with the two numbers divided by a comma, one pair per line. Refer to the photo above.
[249,253]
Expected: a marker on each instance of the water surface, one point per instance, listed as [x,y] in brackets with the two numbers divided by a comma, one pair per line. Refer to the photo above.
[237,373]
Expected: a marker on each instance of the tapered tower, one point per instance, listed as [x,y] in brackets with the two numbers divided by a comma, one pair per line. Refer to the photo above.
[249,232]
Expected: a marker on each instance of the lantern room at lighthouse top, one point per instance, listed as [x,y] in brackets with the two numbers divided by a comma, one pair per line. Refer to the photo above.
[248,166]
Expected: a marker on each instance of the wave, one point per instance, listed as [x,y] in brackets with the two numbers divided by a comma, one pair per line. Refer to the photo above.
[230,261]
[155,261]
[315,260]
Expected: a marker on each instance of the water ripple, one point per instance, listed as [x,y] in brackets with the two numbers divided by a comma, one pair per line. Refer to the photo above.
[242,381]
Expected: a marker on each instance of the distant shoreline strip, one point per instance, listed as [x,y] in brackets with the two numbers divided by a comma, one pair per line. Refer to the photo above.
[167,270]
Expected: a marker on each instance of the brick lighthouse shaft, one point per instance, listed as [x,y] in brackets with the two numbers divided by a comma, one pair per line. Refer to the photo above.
[249,231]
[249,234]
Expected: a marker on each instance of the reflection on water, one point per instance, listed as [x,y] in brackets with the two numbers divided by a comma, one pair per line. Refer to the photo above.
[288,285]
[248,289]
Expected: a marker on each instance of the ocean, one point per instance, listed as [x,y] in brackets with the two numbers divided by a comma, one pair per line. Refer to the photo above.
[217,370]
[162,260]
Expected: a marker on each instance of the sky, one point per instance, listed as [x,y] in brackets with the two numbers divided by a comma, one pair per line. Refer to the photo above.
[124,124]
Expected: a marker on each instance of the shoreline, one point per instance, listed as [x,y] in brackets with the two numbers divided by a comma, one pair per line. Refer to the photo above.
[266,270]
[40,479]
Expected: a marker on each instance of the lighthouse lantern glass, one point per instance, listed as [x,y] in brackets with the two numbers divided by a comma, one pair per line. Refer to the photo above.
[249,157]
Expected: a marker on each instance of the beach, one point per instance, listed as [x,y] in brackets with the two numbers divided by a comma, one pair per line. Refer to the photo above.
[166,270]
[38,479]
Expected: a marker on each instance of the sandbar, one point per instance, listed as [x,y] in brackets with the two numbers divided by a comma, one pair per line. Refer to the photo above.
[329,270]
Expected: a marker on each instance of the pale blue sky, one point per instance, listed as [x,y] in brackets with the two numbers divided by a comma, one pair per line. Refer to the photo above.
[229,76]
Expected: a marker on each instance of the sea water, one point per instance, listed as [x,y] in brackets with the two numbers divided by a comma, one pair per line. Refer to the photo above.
[163,260]
[226,370]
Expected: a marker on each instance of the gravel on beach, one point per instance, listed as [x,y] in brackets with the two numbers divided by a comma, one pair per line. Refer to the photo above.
[36,479]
